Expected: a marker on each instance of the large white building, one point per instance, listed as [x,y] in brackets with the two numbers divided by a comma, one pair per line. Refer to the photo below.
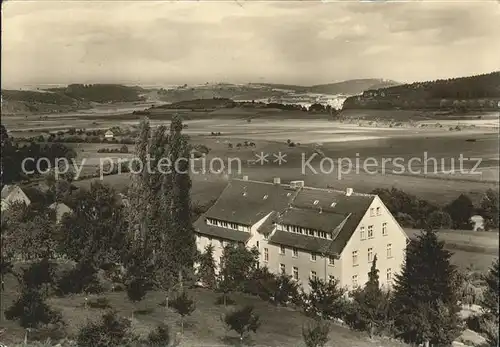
[306,232]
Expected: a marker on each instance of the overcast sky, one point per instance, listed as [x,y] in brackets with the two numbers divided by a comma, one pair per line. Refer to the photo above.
[147,42]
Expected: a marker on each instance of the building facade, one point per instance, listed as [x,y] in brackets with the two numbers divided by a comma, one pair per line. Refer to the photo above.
[306,232]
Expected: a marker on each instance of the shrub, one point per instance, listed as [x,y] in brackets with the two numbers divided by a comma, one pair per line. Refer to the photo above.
[316,334]
[82,278]
[111,331]
[242,321]
[100,303]
[160,336]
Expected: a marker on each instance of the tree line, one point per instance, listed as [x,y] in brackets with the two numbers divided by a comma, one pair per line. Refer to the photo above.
[413,212]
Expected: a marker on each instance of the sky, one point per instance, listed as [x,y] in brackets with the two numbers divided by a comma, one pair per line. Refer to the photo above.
[300,42]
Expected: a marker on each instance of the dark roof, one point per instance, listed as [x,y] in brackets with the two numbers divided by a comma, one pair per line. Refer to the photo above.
[247,202]
[308,243]
[313,219]
[243,202]
[218,232]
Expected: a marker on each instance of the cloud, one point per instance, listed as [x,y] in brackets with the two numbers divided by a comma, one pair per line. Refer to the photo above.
[290,42]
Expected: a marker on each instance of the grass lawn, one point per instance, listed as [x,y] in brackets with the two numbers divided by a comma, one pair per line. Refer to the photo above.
[279,326]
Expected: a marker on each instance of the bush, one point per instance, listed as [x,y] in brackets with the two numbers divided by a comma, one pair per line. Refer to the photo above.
[100,303]
[160,336]
[316,334]
[111,331]
[242,321]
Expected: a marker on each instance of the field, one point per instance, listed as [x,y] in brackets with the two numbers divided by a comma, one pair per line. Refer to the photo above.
[425,161]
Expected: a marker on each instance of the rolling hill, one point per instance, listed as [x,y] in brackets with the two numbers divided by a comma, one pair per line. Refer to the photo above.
[349,87]
[473,93]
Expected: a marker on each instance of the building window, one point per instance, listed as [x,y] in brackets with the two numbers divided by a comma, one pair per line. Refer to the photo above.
[331,260]
[378,211]
[370,231]
[282,268]
[311,232]
[313,275]
[362,233]
[296,273]
[384,229]
[266,254]
[389,275]
[221,242]
[282,250]
[355,281]
[372,212]
[257,244]
[354,258]
[331,278]
[313,256]
[295,252]
[210,240]
[370,255]
[389,250]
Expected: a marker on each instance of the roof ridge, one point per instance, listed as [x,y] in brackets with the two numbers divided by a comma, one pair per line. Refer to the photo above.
[328,190]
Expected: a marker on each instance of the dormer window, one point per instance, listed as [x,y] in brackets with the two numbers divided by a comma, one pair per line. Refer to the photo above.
[265,197]
[288,194]
[333,204]
[316,202]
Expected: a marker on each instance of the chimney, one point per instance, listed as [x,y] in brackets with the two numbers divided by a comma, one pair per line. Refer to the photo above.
[245,178]
[277,180]
[349,191]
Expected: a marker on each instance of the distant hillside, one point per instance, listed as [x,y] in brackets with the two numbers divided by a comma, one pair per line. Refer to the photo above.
[102,93]
[349,87]
[474,93]
[65,99]
[27,101]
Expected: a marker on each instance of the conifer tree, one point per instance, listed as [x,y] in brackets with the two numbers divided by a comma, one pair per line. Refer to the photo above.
[425,298]
[489,324]
[206,269]
[369,309]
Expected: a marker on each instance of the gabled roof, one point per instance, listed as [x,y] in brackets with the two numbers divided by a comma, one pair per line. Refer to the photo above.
[60,208]
[247,202]
[7,189]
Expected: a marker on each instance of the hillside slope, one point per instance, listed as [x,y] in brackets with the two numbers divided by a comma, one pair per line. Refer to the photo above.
[473,93]
[71,98]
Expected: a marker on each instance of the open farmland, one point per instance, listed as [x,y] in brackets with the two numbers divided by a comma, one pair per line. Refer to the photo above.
[439,180]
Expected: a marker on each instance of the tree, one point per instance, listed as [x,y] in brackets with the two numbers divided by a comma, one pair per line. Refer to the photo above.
[325,299]
[278,289]
[461,210]
[242,321]
[110,331]
[184,306]
[206,269]
[138,273]
[80,279]
[316,334]
[31,310]
[369,309]
[439,220]
[236,265]
[489,209]
[425,294]
[490,299]
[96,230]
